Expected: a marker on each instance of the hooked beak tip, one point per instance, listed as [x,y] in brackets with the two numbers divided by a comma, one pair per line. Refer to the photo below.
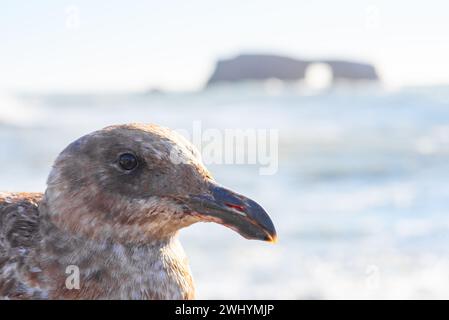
[272,238]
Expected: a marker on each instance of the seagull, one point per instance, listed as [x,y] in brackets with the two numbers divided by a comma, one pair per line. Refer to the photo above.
[107,225]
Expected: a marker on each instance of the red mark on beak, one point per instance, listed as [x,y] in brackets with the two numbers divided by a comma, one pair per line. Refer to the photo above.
[236,207]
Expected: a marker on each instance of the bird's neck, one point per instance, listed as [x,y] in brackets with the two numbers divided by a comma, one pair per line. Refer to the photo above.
[107,269]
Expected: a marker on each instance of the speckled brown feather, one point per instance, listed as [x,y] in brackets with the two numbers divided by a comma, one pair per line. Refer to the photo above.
[19,224]
[33,259]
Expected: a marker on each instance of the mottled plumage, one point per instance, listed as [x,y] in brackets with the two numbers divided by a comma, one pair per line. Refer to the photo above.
[118,226]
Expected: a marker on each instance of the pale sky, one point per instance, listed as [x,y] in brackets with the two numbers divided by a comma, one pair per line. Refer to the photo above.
[71,46]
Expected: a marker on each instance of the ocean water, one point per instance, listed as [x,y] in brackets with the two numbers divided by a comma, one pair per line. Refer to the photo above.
[360,198]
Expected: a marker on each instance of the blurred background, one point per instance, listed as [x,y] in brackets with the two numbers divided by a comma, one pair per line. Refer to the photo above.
[358,91]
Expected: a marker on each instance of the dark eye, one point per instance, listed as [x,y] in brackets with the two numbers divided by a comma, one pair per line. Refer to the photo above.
[128,161]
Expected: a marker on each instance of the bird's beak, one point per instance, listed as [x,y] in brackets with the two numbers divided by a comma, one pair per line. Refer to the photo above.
[235,211]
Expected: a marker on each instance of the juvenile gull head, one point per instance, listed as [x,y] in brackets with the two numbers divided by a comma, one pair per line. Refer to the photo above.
[114,202]
[139,183]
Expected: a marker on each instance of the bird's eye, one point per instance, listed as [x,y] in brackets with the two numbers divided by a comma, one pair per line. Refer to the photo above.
[128,161]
